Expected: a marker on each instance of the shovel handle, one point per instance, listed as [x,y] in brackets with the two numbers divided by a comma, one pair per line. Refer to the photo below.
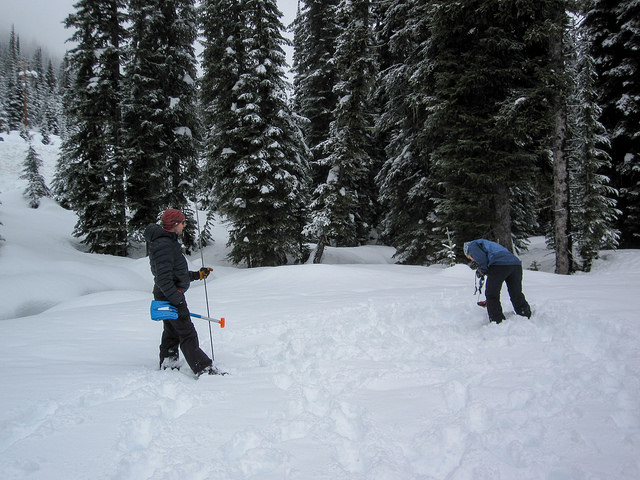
[209,319]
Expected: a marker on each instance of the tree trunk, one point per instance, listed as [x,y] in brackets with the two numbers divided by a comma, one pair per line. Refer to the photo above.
[502,228]
[560,167]
[317,258]
[561,199]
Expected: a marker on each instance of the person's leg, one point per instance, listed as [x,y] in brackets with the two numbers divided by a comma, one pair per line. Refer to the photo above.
[189,343]
[514,286]
[495,277]
[168,344]
[169,347]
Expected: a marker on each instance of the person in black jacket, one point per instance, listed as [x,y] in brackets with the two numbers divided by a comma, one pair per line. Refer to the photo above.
[171,280]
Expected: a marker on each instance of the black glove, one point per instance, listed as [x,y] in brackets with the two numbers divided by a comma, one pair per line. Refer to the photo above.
[204,272]
[479,273]
[183,311]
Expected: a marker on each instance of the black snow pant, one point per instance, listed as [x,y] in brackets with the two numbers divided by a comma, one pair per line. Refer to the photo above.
[512,276]
[181,332]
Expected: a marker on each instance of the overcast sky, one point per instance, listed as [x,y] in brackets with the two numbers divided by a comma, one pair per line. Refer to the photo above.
[40,22]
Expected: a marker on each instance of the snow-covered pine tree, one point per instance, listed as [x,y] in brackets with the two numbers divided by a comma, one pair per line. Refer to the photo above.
[223,61]
[261,171]
[4,68]
[47,118]
[49,112]
[315,33]
[53,106]
[14,104]
[613,27]
[489,117]
[16,73]
[593,211]
[36,89]
[4,123]
[342,205]
[406,189]
[161,128]
[91,168]
[36,187]
[64,84]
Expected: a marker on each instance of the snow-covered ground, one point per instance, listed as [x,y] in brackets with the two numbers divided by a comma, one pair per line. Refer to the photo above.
[355,369]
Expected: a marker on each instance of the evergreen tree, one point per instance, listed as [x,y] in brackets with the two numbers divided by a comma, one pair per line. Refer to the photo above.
[160,115]
[26,90]
[316,30]
[4,68]
[14,104]
[593,212]
[407,192]
[260,175]
[51,105]
[64,98]
[36,186]
[36,89]
[45,127]
[613,26]
[223,61]
[342,204]
[489,116]
[4,123]
[91,168]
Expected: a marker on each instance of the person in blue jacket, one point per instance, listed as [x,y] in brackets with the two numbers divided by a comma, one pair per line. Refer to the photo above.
[500,266]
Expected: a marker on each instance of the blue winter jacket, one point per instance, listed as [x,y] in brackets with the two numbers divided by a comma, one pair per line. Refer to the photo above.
[487,253]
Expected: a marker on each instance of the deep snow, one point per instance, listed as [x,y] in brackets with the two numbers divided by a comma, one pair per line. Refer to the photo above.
[354,369]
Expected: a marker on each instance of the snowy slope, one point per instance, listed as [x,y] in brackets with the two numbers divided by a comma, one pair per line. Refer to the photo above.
[354,369]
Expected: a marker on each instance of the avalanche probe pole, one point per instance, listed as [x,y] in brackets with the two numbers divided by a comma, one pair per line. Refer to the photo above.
[206,294]
[480,303]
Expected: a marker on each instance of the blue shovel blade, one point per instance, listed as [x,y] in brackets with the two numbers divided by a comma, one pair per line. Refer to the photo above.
[163,310]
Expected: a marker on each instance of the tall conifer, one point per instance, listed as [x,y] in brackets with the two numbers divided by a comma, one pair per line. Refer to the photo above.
[613,26]
[223,61]
[316,29]
[489,120]
[160,113]
[14,96]
[405,181]
[593,200]
[36,186]
[342,203]
[256,154]
[91,168]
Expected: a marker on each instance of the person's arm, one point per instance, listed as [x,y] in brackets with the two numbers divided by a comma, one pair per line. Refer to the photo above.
[164,275]
[479,256]
[200,274]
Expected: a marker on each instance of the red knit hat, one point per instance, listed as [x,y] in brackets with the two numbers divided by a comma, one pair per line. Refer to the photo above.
[171,217]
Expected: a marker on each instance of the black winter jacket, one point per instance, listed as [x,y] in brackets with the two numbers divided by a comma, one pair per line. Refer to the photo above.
[168,265]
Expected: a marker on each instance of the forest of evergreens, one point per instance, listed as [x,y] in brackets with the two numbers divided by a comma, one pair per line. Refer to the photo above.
[413,123]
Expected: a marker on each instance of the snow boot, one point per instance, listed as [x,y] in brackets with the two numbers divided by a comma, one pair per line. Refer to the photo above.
[210,370]
[170,362]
